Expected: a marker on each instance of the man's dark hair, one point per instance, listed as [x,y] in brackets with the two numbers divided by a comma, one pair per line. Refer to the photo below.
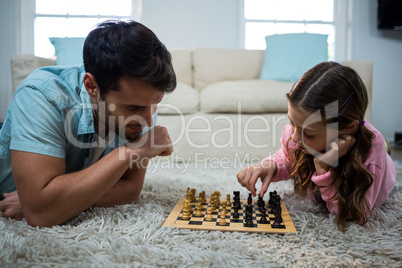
[127,48]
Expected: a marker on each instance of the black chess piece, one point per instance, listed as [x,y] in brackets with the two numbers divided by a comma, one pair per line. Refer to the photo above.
[263,219]
[236,214]
[249,199]
[263,210]
[249,222]
[276,225]
[249,208]
[260,201]
[278,216]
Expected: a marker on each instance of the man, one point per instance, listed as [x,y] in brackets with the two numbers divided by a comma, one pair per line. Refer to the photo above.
[58,146]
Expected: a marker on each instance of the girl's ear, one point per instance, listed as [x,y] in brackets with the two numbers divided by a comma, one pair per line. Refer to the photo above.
[351,128]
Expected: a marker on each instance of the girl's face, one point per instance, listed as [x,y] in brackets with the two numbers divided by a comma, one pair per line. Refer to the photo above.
[308,132]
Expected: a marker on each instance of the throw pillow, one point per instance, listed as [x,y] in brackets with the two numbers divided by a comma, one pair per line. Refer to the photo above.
[245,96]
[68,50]
[289,56]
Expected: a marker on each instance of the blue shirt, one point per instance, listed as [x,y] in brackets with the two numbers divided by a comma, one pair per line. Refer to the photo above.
[50,114]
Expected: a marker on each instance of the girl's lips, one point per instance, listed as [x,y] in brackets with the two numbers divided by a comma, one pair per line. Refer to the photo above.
[301,147]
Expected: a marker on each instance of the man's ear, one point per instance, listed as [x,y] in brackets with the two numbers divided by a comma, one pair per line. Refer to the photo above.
[91,86]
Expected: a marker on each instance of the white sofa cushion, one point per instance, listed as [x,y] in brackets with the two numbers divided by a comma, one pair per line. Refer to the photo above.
[182,65]
[213,65]
[250,96]
[22,65]
[184,100]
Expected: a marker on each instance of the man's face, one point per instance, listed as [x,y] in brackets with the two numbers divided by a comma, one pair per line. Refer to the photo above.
[130,109]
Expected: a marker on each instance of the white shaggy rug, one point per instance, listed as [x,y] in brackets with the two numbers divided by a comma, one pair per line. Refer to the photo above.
[133,236]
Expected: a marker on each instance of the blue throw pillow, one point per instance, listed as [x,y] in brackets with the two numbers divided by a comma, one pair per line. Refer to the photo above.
[289,56]
[68,50]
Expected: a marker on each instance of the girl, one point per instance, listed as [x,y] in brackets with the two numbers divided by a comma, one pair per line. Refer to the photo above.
[333,155]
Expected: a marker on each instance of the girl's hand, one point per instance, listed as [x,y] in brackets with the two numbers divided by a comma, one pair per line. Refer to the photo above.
[338,148]
[10,206]
[248,176]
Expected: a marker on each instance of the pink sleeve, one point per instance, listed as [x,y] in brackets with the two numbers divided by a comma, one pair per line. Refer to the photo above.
[328,194]
[383,183]
[281,157]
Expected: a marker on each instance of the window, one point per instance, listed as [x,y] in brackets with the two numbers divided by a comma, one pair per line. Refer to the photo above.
[267,17]
[73,18]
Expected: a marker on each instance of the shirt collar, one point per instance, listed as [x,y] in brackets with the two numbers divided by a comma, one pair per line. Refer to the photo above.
[86,122]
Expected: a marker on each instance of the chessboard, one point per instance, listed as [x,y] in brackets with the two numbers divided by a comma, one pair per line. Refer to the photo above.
[253,216]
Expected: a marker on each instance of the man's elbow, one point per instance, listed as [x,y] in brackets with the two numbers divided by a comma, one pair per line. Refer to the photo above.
[36,220]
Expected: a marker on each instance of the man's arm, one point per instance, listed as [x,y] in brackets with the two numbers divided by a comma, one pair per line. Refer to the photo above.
[49,197]
[127,189]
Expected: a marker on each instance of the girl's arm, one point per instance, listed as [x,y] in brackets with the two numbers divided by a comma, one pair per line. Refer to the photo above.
[383,183]
[281,157]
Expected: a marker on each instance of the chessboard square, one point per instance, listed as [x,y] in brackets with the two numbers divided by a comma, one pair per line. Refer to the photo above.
[259,222]
[215,213]
[236,224]
[236,220]
[227,224]
[195,222]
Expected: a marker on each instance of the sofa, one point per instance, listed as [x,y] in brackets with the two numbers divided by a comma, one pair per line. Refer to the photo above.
[220,112]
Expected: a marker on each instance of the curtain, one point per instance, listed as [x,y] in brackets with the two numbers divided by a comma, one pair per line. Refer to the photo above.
[8,47]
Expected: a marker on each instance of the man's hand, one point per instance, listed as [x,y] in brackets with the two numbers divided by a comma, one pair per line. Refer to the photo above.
[10,207]
[153,143]
[338,148]
[248,176]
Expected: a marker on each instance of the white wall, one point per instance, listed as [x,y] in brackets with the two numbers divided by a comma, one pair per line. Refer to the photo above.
[384,49]
[193,23]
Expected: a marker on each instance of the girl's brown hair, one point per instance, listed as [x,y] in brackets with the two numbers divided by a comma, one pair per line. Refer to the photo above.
[321,87]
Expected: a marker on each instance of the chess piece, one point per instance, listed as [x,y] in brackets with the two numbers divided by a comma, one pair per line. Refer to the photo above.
[260,202]
[263,219]
[186,210]
[188,194]
[236,214]
[249,199]
[198,212]
[222,220]
[203,197]
[193,195]
[217,201]
[224,207]
[263,210]
[276,224]
[249,222]
[212,202]
[272,196]
[208,217]
[199,204]
[228,199]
